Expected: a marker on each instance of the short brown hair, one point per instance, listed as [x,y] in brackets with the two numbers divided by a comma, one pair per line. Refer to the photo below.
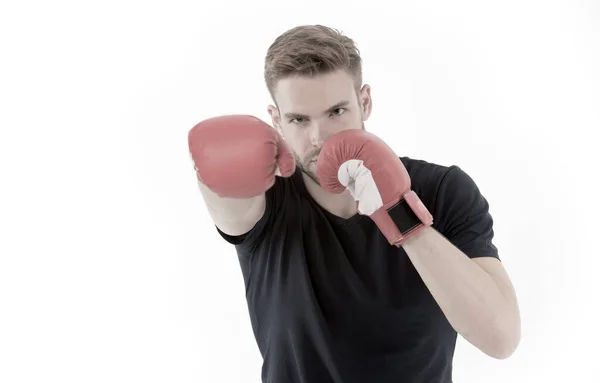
[310,50]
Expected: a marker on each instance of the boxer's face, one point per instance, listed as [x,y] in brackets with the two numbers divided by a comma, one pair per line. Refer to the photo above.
[313,108]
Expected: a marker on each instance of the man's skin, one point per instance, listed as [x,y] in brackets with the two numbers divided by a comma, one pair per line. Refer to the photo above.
[476,295]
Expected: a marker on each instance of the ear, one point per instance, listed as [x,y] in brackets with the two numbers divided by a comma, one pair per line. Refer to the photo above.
[366,102]
[275,118]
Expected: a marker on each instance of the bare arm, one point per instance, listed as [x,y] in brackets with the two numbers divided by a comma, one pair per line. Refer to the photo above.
[233,216]
[476,295]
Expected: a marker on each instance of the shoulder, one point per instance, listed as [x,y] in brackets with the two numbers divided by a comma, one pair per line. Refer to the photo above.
[450,193]
[433,178]
[426,178]
[460,211]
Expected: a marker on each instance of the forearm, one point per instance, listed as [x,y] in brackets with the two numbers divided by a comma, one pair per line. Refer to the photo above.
[479,308]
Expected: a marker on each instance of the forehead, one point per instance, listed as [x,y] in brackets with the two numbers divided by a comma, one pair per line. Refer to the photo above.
[314,94]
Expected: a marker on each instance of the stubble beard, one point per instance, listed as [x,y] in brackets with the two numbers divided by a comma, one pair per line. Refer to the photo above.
[305,167]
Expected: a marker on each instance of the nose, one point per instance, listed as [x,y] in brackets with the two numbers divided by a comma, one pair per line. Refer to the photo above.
[317,134]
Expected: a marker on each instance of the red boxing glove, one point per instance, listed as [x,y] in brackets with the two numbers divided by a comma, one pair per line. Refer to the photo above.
[238,156]
[356,160]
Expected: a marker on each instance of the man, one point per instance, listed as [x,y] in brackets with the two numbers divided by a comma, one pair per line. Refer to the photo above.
[360,266]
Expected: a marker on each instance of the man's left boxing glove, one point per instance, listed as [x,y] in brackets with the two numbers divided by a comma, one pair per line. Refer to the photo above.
[359,161]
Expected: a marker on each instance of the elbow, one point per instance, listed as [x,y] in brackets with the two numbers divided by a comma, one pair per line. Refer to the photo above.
[503,350]
[505,341]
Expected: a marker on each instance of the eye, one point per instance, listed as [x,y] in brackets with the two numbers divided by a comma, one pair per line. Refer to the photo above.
[298,120]
[338,112]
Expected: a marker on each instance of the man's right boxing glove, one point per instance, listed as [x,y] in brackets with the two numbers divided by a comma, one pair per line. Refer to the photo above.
[237,156]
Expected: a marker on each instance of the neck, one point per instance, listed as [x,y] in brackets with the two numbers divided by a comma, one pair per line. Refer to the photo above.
[342,205]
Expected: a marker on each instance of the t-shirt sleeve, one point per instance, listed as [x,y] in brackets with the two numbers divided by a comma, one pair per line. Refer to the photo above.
[462,215]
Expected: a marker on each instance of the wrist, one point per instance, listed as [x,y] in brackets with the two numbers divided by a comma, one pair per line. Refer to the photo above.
[418,237]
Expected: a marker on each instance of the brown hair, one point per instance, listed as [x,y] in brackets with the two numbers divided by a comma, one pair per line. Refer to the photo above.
[310,50]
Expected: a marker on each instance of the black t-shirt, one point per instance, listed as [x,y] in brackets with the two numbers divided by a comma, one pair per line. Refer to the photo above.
[331,301]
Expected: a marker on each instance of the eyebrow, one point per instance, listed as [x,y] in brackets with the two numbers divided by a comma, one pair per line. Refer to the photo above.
[341,104]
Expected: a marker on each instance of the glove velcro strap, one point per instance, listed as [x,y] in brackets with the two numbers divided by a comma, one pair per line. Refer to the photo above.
[403,219]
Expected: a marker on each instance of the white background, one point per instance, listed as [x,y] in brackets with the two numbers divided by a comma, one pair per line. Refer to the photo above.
[111,270]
